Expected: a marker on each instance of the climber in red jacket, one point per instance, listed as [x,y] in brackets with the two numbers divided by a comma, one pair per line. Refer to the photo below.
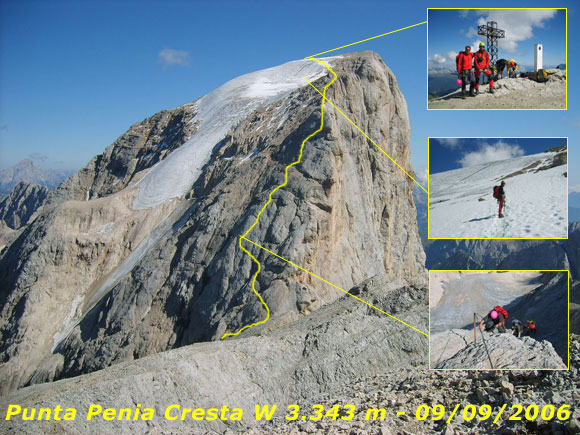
[481,63]
[464,62]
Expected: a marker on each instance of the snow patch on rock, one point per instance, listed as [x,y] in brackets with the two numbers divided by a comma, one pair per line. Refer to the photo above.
[219,112]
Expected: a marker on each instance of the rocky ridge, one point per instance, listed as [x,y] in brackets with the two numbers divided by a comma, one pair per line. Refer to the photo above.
[315,355]
[493,351]
[405,390]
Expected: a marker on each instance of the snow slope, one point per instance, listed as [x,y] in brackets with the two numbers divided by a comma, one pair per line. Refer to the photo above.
[218,112]
[461,204]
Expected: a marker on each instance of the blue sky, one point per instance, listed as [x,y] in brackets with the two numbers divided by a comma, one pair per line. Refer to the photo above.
[75,75]
[453,153]
[451,30]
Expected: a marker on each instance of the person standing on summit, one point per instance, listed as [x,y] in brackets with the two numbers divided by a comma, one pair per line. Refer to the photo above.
[464,61]
[481,63]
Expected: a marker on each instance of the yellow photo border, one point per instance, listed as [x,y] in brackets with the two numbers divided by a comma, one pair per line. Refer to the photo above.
[498,238]
[498,270]
[566,56]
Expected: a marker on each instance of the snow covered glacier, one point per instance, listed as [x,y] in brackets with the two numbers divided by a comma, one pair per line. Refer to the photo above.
[217,113]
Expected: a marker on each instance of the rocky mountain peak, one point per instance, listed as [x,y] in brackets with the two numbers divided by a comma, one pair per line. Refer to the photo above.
[163,269]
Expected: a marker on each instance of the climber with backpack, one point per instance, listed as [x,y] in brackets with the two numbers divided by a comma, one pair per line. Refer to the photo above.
[517,328]
[512,67]
[495,318]
[464,63]
[499,194]
[481,64]
[530,328]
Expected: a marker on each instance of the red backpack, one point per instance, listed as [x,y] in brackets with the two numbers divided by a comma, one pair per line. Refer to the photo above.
[496,192]
[501,310]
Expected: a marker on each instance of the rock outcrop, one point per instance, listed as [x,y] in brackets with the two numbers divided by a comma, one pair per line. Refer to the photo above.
[93,282]
[495,351]
[18,207]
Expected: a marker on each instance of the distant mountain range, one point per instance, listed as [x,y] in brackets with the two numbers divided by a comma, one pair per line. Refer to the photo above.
[28,171]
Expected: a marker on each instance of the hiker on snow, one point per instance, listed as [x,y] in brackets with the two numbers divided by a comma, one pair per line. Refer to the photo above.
[495,318]
[499,194]
[481,63]
[517,328]
[464,62]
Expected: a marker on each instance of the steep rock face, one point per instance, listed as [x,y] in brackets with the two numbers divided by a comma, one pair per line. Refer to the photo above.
[51,273]
[318,353]
[19,206]
[346,214]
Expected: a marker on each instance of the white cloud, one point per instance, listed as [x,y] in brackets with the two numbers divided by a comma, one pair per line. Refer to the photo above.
[517,23]
[449,142]
[574,189]
[491,152]
[440,60]
[170,56]
[471,32]
[463,13]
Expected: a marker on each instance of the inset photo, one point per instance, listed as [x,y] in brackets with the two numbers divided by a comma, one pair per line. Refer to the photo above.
[498,188]
[480,320]
[499,58]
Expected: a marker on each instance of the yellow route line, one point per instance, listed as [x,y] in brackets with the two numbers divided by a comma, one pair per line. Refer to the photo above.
[331,284]
[228,334]
[364,40]
[365,135]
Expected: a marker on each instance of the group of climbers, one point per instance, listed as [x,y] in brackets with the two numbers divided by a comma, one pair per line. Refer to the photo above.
[470,67]
[497,317]
[510,65]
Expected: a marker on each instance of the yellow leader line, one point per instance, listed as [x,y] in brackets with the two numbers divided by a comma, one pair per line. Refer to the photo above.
[364,40]
[365,135]
[231,334]
[332,285]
